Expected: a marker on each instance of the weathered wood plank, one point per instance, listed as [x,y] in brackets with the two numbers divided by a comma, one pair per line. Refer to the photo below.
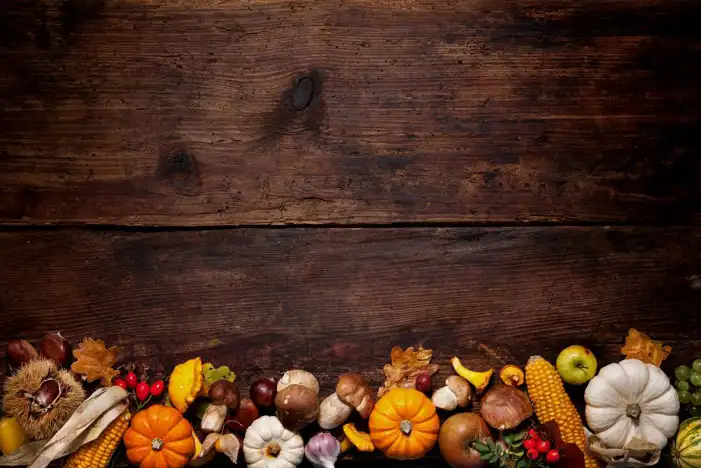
[333,300]
[144,112]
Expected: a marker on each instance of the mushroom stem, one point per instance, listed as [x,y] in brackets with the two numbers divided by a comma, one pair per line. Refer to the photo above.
[157,444]
[405,427]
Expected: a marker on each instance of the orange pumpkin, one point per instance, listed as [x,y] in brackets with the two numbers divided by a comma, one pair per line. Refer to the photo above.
[159,437]
[404,424]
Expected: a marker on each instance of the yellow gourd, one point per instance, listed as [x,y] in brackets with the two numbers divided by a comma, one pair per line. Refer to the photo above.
[185,383]
[404,424]
[12,436]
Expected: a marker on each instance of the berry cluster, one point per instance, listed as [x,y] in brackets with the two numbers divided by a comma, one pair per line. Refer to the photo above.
[142,391]
[537,448]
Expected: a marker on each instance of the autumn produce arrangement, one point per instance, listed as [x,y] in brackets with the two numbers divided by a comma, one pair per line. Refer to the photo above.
[83,408]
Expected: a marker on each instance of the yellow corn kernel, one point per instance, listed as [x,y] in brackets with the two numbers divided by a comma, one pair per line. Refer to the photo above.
[551,403]
[97,454]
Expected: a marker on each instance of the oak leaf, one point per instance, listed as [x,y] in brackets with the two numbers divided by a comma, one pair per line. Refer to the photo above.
[95,361]
[640,346]
[405,366]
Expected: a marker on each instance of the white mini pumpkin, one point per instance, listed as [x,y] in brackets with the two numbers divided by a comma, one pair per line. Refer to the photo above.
[629,400]
[268,444]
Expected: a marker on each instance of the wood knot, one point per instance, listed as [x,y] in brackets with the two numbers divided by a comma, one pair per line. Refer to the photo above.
[303,93]
[180,170]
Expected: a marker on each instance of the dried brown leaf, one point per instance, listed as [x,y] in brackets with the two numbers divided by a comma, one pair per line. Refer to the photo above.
[405,366]
[95,361]
[640,346]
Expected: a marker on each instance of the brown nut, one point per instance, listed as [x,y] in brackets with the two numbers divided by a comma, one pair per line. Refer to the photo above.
[353,390]
[297,406]
[461,388]
[223,392]
[20,352]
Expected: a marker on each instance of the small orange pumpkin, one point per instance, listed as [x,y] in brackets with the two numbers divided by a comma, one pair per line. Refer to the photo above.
[159,437]
[404,424]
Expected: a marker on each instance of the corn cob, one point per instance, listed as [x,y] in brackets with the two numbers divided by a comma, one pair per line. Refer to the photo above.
[551,403]
[97,454]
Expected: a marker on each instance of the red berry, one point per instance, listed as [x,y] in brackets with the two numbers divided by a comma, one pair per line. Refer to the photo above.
[529,444]
[553,456]
[143,390]
[543,446]
[157,388]
[533,454]
[532,433]
[131,380]
[119,383]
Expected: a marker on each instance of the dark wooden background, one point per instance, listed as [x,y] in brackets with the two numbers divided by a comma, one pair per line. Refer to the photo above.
[306,184]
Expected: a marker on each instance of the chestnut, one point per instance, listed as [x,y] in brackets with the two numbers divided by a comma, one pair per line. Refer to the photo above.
[424,383]
[223,392]
[20,352]
[55,347]
[263,392]
[244,417]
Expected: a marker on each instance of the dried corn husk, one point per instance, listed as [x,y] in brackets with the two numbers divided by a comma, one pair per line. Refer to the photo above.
[627,457]
[86,425]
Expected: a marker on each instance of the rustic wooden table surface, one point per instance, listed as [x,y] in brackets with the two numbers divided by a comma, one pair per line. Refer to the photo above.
[276,184]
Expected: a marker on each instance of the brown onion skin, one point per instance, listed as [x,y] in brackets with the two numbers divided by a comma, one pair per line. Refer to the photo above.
[504,407]
[455,437]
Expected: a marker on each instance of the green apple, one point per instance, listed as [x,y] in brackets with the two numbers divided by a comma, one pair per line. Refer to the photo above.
[576,365]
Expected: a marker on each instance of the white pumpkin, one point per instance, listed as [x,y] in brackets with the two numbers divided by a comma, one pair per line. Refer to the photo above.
[268,444]
[629,400]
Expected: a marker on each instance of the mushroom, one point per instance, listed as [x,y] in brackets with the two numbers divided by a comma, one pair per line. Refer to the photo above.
[225,396]
[353,390]
[297,406]
[333,412]
[457,392]
[298,377]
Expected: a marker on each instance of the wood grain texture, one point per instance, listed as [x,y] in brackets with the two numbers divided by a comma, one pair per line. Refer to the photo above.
[334,300]
[145,112]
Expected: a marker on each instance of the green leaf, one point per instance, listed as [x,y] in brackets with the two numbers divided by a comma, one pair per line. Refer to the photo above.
[500,450]
[519,453]
[519,435]
[491,445]
[517,445]
[480,447]
[508,438]
[493,459]
[522,464]
[486,456]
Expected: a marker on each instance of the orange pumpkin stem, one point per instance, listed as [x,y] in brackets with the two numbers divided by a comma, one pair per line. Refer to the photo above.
[405,426]
[157,444]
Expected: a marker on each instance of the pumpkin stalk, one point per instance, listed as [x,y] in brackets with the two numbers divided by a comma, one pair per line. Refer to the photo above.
[273,450]
[405,427]
[633,411]
[156,444]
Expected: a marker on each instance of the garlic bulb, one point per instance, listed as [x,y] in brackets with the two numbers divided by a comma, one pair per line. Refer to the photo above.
[322,450]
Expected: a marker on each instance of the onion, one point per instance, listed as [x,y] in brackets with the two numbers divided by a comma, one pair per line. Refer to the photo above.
[505,407]
[455,440]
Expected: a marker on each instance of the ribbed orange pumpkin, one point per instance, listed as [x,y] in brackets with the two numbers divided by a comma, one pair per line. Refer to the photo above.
[404,424]
[159,437]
